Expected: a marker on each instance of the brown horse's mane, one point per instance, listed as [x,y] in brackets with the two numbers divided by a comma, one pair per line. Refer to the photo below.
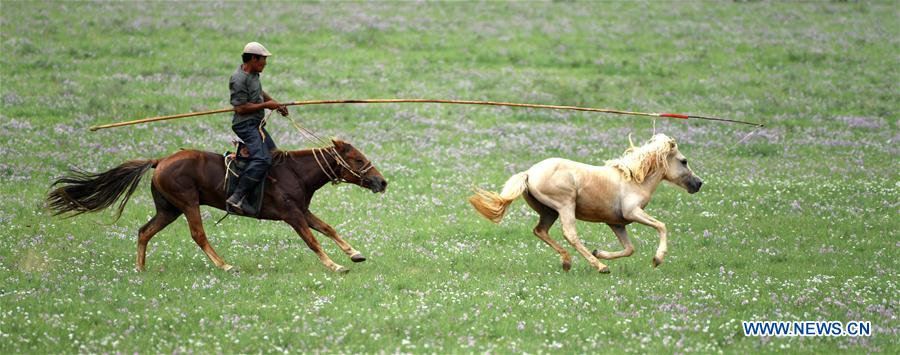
[279,156]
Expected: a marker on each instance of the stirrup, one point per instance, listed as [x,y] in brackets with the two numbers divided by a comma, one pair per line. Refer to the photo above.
[236,207]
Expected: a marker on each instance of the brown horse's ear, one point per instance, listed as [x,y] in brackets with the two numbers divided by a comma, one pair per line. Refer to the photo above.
[339,144]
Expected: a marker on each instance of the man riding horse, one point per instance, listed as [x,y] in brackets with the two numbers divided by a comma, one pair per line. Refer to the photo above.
[185,181]
[250,101]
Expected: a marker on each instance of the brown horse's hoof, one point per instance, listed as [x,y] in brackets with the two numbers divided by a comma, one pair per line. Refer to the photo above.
[341,270]
[656,261]
[357,258]
[566,265]
[604,270]
[233,270]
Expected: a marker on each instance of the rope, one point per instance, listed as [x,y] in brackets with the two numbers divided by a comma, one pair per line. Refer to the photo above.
[334,177]
[263,124]
[747,136]
[228,161]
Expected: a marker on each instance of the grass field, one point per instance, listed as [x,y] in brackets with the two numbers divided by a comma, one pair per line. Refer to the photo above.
[798,222]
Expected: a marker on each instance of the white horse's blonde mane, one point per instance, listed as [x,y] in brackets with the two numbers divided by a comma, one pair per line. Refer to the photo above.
[639,162]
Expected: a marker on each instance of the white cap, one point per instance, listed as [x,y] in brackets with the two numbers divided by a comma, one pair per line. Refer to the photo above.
[256,48]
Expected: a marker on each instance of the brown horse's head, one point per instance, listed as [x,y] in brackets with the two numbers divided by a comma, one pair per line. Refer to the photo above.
[359,170]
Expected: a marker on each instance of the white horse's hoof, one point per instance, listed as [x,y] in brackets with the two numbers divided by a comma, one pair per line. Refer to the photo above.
[604,269]
[600,254]
[656,261]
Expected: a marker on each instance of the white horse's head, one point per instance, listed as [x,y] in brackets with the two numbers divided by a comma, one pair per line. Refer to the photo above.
[659,155]
[678,172]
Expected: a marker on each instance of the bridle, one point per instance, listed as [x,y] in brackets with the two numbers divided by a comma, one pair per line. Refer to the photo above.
[332,175]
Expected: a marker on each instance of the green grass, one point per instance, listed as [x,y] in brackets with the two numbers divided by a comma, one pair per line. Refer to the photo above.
[798,222]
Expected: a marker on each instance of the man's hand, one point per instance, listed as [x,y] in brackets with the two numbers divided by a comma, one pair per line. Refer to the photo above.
[282,109]
[274,105]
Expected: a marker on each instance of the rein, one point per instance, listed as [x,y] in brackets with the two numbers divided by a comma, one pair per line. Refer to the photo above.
[330,173]
[328,151]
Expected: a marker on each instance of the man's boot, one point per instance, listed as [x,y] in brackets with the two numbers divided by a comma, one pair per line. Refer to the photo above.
[237,197]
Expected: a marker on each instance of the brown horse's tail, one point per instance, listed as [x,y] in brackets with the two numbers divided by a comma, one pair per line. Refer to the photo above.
[492,205]
[86,192]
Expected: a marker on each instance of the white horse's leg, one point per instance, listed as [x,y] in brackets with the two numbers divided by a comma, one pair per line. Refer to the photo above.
[548,217]
[567,216]
[541,232]
[638,215]
[622,234]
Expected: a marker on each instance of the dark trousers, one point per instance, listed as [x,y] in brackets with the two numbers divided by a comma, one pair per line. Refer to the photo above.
[260,149]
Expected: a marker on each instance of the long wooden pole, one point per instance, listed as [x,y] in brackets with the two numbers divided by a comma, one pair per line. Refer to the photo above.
[160,118]
[458,102]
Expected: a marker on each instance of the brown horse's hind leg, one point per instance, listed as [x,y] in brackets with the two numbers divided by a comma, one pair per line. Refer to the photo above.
[324,228]
[156,224]
[548,217]
[166,213]
[302,227]
[195,222]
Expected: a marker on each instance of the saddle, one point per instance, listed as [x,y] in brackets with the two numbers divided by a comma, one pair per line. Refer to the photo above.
[235,164]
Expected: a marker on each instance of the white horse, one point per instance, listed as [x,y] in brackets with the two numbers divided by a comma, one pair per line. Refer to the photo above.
[615,194]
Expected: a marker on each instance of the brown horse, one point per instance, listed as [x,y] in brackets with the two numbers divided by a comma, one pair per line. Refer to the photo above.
[189,178]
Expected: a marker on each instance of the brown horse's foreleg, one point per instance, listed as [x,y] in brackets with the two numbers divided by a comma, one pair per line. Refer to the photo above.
[156,224]
[622,234]
[324,228]
[195,222]
[567,216]
[299,224]
[638,215]
[548,216]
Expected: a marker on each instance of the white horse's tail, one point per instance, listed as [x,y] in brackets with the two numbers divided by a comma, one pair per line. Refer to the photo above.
[492,205]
